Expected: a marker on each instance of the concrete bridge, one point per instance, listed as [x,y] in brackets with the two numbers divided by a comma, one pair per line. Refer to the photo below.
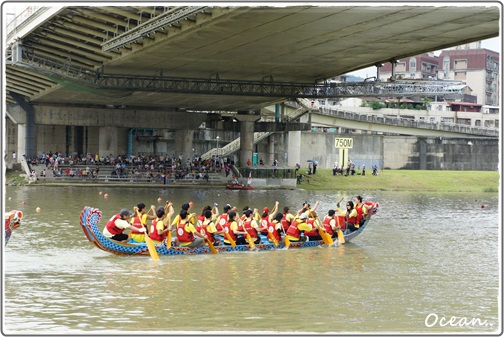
[264,46]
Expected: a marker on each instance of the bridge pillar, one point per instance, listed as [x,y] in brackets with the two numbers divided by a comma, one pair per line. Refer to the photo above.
[108,141]
[246,136]
[21,143]
[184,143]
[271,149]
[294,148]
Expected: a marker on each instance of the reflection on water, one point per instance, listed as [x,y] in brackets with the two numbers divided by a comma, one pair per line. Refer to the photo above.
[422,254]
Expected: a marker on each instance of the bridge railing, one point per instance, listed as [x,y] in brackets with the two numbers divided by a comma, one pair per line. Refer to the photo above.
[232,146]
[29,14]
[396,121]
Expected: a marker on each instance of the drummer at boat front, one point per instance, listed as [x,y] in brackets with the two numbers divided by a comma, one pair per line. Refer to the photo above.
[140,221]
[362,210]
[114,229]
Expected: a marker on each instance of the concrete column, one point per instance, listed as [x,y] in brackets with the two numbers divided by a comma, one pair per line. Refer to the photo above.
[108,141]
[246,137]
[271,149]
[294,148]
[21,143]
[184,143]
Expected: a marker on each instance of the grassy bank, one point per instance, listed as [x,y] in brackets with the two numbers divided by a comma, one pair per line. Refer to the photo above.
[387,180]
[406,180]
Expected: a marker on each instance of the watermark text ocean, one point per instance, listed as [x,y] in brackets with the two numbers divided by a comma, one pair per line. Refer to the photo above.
[434,320]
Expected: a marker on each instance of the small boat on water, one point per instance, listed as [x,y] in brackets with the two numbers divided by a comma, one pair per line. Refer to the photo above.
[12,221]
[90,217]
[239,187]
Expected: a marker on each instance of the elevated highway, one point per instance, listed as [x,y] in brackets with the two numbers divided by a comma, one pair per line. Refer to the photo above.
[280,43]
[393,125]
[265,45]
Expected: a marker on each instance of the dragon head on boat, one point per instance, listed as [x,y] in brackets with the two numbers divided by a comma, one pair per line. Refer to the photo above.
[12,221]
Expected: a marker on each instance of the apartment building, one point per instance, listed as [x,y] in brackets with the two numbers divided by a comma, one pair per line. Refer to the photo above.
[424,66]
[477,67]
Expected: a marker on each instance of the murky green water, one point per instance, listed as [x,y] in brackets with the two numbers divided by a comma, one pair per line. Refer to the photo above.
[424,259]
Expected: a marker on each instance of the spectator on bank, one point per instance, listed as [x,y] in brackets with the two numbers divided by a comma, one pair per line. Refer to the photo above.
[335,168]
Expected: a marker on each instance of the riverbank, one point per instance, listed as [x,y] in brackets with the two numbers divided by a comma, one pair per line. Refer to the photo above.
[386,180]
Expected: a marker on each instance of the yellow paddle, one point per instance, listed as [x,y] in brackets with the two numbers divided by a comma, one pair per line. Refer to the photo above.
[249,240]
[150,245]
[229,238]
[287,241]
[272,238]
[212,248]
[168,240]
[325,237]
[341,236]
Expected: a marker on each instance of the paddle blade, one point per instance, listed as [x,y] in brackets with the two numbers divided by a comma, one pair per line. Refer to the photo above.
[287,242]
[230,239]
[341,236]
[212,248]
[323,236]
[272,238]
[329,239]
[152,250]
[168,240]
[250,241]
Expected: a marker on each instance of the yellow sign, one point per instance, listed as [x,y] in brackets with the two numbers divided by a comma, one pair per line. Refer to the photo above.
[344,143]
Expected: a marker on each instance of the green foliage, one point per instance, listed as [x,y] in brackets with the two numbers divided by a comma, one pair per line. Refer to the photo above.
[375,105]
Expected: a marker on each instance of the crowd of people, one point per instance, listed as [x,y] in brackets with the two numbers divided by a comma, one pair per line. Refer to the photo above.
[154,167]
[210,227]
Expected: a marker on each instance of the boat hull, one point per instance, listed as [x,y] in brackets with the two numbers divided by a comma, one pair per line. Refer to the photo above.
[90,217]
[238,187]
[12,221]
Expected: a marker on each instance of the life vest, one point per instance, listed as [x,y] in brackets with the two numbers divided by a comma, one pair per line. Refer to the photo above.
[340,219]
[227,229]
[154,233]
[313,232]
[285,223]
[352,220]
[273,231]
[293,229]
[247,226]
[111,227]
[360,215]
[182,234]
[328,222]
[223,219]
[203,230]
[136,225]
[199,221]
[265,223]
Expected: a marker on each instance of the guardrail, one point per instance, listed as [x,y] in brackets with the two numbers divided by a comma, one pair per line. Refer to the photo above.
[387,120]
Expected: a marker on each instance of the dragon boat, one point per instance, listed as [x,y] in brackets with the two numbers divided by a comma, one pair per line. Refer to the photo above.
[90,217]
[12,221]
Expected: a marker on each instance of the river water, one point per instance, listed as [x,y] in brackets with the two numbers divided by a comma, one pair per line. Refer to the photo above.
[427,263]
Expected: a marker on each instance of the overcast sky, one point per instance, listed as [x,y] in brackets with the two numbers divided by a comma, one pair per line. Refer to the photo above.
[493,44]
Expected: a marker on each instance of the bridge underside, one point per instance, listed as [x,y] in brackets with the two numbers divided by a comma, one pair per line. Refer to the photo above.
[291,44]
